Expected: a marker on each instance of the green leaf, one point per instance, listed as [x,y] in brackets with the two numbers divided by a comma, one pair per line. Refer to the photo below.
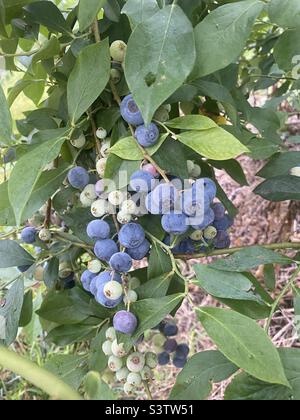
[88,11]
[70,334]
[27,309]
[250,258]
[48,50]
[88,78]
[280,164]
[19,87]
[13,255]
[138,11]
[151,311]
[69,367]
[244,343]
[7,217]
[11,311]
[128,148]
[286,49]
[192,122]
[280,188]
[290,359]
[157,51]
[27,171]
[226,30]
[5,120]
[246,388]
[156,287]
[227,285]
[114,169]
[51,273]
[47,14]
[96,389]
[269,276]
[194,382]
[159,262]
[97,359]
[215,143]
[167,157]
[285,13]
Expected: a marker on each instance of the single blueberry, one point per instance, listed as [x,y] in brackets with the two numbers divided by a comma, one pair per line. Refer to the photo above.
[140,252]
[78,177]
[223,224]
[130,111]
[163,358]
[162,325]
[219,211]
[176,224]
[182,351]
[222,240]
[170,330]
[28,235]
[98,229]
[170,345]
[151,206]
[103,278]
[187,246]
[141,181]
[147,136]
[207,185]
[179,363]
[121,262]
[125,322]
[103,300]
[200,223]
[131,235]
[105,249]
[86,279]
[69,282]
[165,197]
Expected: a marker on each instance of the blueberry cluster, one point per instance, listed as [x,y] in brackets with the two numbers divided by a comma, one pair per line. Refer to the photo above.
[168,348]
[132,367]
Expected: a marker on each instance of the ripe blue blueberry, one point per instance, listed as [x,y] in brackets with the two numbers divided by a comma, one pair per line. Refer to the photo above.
[141,181]
[121,262]
[105,249]
[151,206]
[163,358]
[86,279]
[182,351]
[206,184]
[223,224]
[69,282]
[187,246]
[219,211]
[222,240]
[147,136]
[78,178]
[125,322]
[165,197]
[193,203]
[131,235]
[103,299]
[130,111]
[170,330]
[179,363]
[28,235]
[140,252]
[174,223]
[98,229]
[201,223]
[170,345]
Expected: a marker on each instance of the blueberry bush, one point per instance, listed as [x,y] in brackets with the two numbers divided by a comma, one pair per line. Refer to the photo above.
[109,183]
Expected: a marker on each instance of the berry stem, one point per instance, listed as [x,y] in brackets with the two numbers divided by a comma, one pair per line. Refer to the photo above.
[147,389]
[96,31]
[229,251]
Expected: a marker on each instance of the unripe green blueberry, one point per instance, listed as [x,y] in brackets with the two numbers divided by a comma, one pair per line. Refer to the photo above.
[151,360]
[197,235]
[146,373]
[128,206]
[101,133]
[85,201]
[134,379]
[159,340]
[134,283]
[115,76]
[124,218]
[111,334]
[295,171]
[131,297]
[106,348]
[79,142]
[135,362]
[210,232]
[100,167]
[148,334]
[168,107]
[108,376]
[90,192]
[128,388]
[114,363]
[113,290]
[94,266]
[187,107]
[64,270]
[196,172]
[45,235]
[122,374]
[118,349]
[104,151]
[162,114]
[116,198]
[190,166]
[99,208]
[118,51]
